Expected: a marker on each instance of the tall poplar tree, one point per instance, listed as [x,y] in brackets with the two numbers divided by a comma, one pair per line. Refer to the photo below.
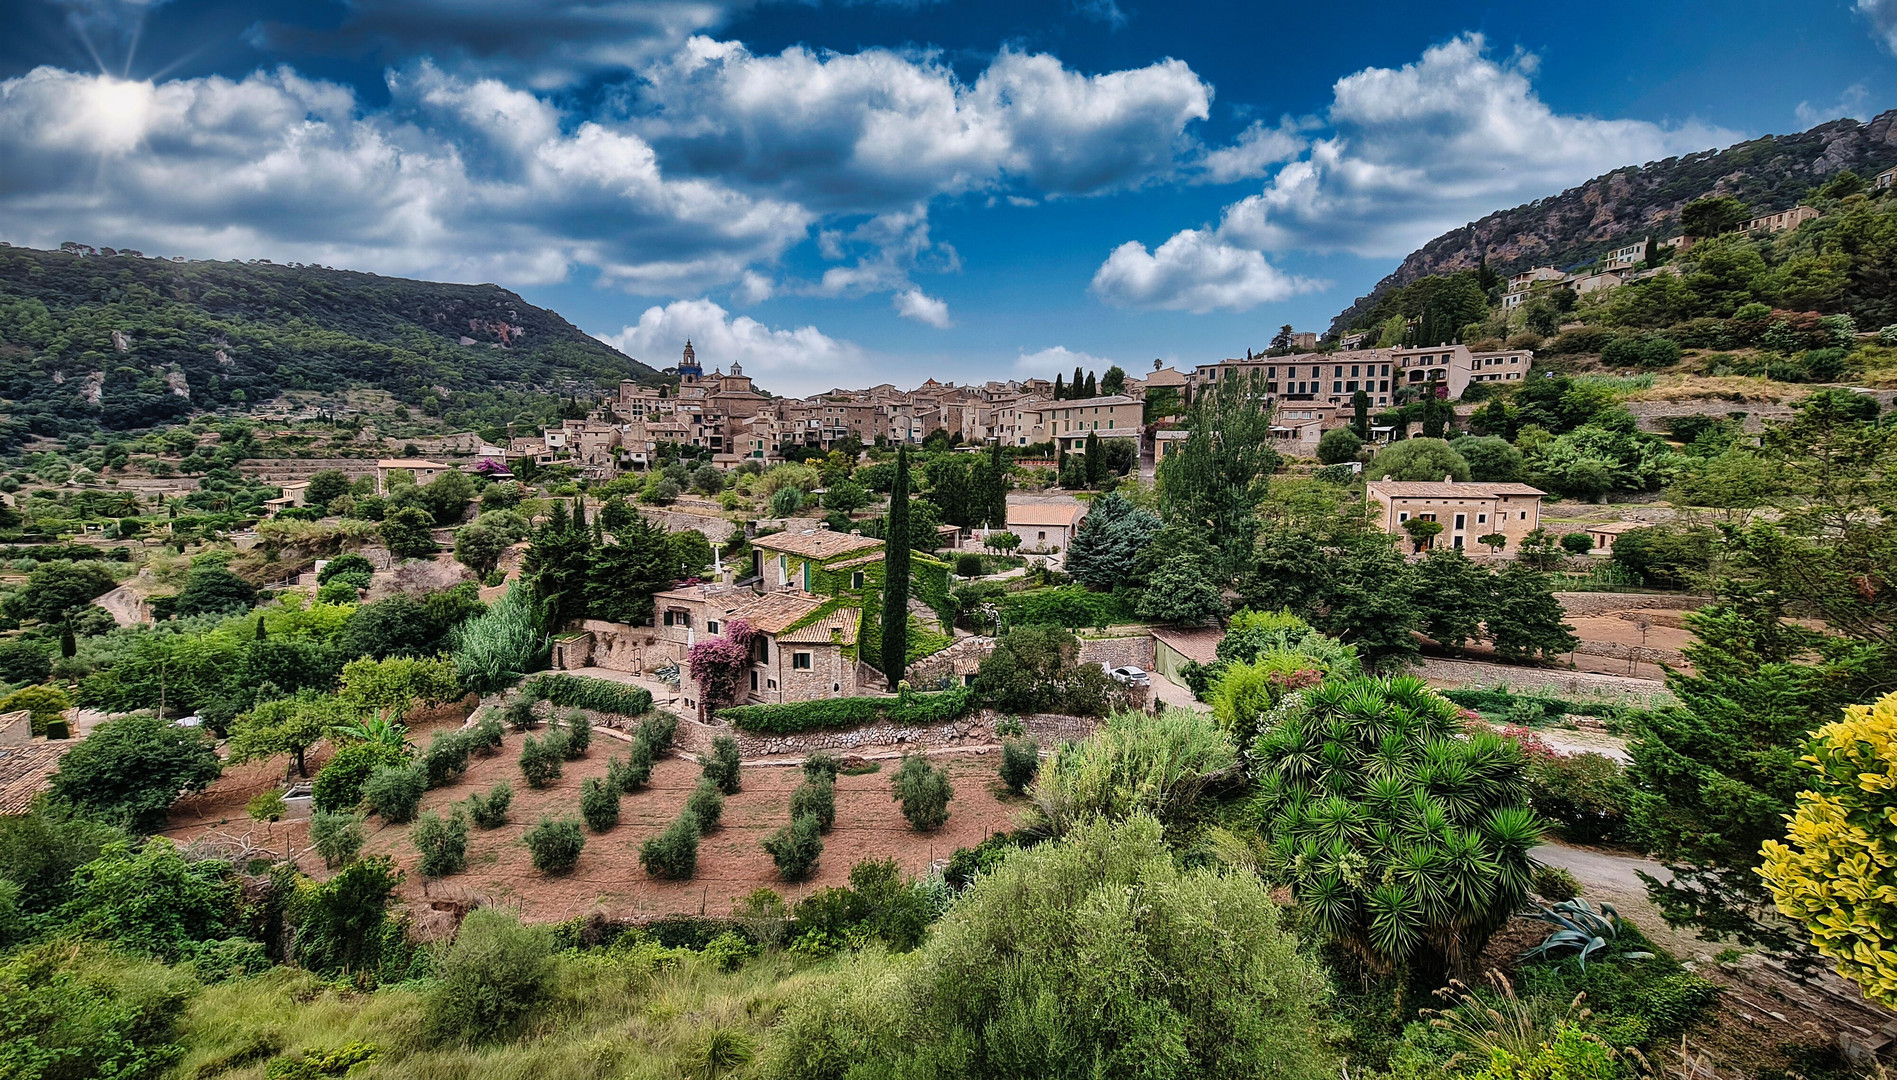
[895,625]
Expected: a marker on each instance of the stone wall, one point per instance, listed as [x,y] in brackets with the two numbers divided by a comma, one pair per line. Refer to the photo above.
[678,521]
[1567,683]
[621,647]
[1582,604]
[974,730]
[1116,652]
[953,663]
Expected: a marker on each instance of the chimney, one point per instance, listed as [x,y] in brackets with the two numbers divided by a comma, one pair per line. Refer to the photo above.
[1450,479]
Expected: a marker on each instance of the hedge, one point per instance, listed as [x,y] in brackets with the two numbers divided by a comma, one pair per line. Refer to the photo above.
[1498,700]
[1072,606]
[581,692]
[913,708]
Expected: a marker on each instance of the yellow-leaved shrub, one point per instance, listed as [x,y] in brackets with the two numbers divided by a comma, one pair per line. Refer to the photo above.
[1837,872]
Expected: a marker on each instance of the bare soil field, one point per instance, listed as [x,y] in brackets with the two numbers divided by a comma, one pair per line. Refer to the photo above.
[609,879]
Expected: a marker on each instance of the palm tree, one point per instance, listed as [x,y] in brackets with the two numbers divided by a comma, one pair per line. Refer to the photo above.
[1407,842]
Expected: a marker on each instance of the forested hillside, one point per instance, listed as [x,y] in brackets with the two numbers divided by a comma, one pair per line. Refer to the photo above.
[1767,174]
[117,341]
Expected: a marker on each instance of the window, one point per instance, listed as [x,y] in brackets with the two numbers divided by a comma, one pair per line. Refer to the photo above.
[800,661]
[1482,519]
[711,626]
[1458,541]
[771,683]
[1404,516]
[1462,521]
[754,680]
[1044,531]
[1524,515]
[856,580]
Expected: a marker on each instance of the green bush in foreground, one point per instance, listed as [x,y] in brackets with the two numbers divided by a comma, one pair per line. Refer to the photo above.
[723,766]
[796,847]
[442,841]
[490,811]
[924,792]
[336,837]
[495,974]
[706,805]
[673,854]
[816,798]
[541,760]
[599,804]
[394,791]
[1020,762]
[579,736]
[555,844]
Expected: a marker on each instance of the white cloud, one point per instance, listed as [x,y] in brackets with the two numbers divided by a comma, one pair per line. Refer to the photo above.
[1854,102]
[1257,149]
[1058,360]
[1193,271]
[1883,18]
[1420,149]
[915,304]
[1407,154]
[469,180]
[877,130]
[797,361]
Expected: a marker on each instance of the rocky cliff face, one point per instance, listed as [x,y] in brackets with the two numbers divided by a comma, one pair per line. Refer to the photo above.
[1771,173]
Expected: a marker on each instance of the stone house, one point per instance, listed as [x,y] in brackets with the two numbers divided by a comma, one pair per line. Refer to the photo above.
[420,470]
[1045,527]
[1466,511]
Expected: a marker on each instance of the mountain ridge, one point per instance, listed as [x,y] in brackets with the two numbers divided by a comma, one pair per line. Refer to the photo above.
[1769,173]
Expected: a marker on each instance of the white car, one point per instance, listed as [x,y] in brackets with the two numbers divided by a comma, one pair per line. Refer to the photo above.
[1131,676]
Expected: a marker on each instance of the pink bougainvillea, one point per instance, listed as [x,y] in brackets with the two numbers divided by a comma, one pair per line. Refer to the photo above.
[718,663]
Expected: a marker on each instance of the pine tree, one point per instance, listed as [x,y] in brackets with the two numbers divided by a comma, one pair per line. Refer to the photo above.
[895,626]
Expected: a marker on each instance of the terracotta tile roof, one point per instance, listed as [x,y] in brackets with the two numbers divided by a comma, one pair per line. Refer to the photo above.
[774,611]
[26,771]
[1436,489]
[1059,513]
[836,628]
[816,543]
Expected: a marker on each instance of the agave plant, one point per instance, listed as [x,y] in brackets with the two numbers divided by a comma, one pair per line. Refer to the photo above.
[1404,840]
[1579,927]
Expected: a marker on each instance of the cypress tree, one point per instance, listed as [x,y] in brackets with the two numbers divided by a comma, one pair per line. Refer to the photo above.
[1360,414]
[1080,379]
[1093,388]
[895,627]
[261,632]
[997,507]
[579,512]
[1058,394]
[1096,465]
[68,645]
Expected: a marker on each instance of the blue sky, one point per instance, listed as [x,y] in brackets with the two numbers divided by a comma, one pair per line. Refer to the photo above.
[842,192]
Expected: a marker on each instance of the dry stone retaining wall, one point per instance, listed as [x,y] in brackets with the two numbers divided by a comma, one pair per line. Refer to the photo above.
[1567,683]
[1581,604]
[974,730]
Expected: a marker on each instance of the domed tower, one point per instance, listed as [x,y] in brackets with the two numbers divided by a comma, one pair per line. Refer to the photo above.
[688,369]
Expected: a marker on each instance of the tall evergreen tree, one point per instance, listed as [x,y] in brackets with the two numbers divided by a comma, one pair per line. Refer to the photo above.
[1114,381]
[1096,465]
[1080,380]
[895,624]
[1093,388]
[1058,392]
[1360,414]
[995,510]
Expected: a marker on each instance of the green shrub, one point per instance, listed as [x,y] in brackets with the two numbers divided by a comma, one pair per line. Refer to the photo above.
[924,792]
[796,847]
[1020,761]
[673,854]
[555,844]
[729,951]
[266,806]
[336,837]
[722,766]
[1577,543]
[351,565]
[599,804]
[447,756]
[707,804]
[1586,796]
[495,974]
[520,716]
[394,791]
[338,786]
[315,1064]
[1072,606]
[1555,884]
[443,842]
[486,734]
[657,732]
[968,564]
[582,692]
[914,709]
[541,760]
[816,798]
[821,764]
[579,736]
[490,811]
